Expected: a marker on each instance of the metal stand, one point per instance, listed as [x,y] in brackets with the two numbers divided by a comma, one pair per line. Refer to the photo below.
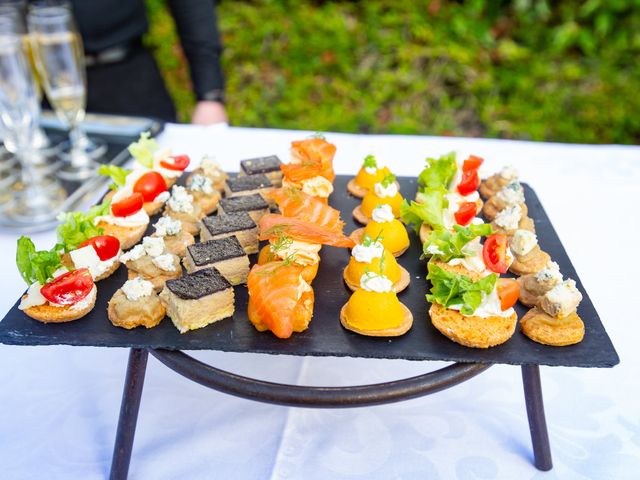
[133,383]
[312,397]
[535,413]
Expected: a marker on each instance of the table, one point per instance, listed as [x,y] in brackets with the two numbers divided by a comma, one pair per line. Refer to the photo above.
[61,410]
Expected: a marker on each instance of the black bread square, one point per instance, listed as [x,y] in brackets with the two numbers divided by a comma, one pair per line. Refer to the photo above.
[248,183]
[252,166]
[243,203]
[229,223]
[193,286]
[213,251]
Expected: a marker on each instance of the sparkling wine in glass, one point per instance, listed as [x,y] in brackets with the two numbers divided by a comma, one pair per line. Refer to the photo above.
[59,59]
[38,197]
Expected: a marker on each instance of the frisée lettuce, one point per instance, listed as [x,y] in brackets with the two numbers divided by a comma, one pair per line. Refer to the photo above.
[76,227]
[438,172]
[429,210]
[445,245]
[143,150]
[450,289]
[36,265]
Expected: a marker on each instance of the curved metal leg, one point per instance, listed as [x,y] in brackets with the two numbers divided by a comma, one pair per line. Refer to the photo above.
[134,381]
[535,413]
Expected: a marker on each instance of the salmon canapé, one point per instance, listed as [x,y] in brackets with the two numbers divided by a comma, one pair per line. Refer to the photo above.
[279,299]
[273,226]
[293,202]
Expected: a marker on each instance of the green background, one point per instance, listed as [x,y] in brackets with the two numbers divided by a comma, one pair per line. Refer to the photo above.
[528,69]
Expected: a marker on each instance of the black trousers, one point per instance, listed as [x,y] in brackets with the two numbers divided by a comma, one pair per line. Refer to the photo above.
[133,86]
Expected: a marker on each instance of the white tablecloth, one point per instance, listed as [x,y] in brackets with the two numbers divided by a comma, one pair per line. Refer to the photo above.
[59,405]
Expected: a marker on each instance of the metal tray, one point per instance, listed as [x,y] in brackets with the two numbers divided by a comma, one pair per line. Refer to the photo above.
[325,336]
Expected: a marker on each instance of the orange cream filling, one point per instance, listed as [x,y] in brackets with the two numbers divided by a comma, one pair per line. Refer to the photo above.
[393,235]
[371,201]
[374,311]
[368,180]
[390,269]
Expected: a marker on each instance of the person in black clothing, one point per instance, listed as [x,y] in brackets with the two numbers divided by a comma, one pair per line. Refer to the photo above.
[122,75]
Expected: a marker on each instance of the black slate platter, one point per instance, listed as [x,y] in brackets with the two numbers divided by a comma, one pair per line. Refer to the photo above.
[325,336]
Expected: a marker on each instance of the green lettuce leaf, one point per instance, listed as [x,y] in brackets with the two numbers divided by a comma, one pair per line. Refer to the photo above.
[36,265]
[143,150]
[450,288]
[450,244]
[439,172]
[428,211]
[76,227]
[117,174]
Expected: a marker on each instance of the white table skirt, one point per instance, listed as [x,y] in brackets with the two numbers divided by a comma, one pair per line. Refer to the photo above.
[59,405]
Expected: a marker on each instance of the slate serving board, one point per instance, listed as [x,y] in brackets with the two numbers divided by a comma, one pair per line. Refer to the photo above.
[325,336]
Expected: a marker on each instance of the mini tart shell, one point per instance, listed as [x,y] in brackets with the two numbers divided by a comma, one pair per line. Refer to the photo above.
[49,314]
[526,223]
[159,280]
[494,205]
[148,319]
[128,236]
[360,217]
[535,325]
[399,286]
[356,190]
[492,185]
[358,233]
[526,297]
[403,328]
[532,262]
[475,332]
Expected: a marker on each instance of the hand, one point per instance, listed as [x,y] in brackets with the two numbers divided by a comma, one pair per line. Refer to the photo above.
[207,113]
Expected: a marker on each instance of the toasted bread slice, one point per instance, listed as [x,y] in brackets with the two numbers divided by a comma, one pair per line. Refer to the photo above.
[128,236]
[526,297]
[494,205]
[425,231]
[547,330]
[48,313]
[403,328]
[476,332]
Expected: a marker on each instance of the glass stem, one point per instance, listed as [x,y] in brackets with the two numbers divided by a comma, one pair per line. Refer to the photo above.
[32,180]
[79,144]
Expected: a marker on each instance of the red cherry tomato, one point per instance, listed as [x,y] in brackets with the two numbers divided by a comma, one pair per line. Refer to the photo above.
[465,213]
[472,163]
[494,252]
[508,292]
[469,182]
[177,162]
[127,206]
[105,246]
[69,288]
[150,185]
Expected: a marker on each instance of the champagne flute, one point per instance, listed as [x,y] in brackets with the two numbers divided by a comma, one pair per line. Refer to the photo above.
[39,196]
[59,59]
[16,11]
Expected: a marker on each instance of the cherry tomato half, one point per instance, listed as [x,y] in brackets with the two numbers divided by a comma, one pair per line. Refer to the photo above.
[69,288]
[127,206]
[508,292]
[177,162]
[494,253]
[465,213]
[472,163]
[106,246]
[469,182]
[150,185]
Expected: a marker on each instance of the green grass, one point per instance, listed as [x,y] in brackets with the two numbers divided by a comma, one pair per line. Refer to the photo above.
[509,69]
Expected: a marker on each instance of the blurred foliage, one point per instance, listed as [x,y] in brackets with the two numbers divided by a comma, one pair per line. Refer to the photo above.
[528,69]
